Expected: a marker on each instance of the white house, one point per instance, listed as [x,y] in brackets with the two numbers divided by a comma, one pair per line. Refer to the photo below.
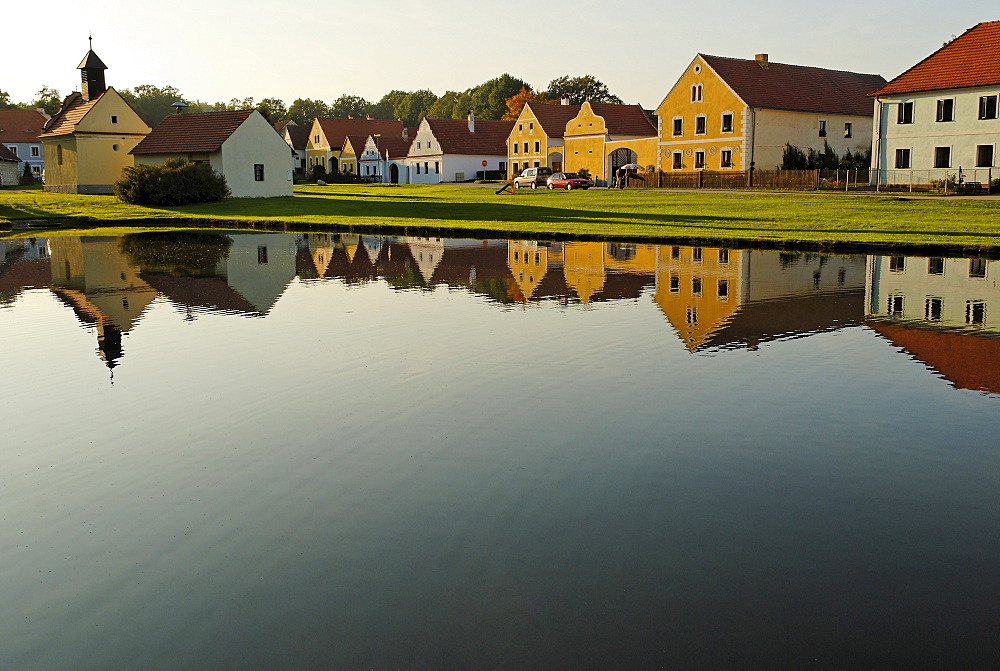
[940,117]
[19,131]
[446,150]
[241,146]
[383,159]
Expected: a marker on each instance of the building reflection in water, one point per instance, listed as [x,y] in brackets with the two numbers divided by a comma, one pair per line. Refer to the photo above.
[944,312]
[714,298]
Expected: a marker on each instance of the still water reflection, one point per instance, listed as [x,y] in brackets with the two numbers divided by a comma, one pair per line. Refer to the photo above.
[380,452]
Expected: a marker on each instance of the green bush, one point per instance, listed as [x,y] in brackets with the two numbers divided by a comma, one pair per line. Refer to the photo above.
[174,182]
[27,177]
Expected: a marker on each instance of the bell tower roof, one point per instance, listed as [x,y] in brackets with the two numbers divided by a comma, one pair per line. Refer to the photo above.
[91,61]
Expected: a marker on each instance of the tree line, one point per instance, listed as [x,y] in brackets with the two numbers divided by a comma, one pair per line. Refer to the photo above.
[494,99]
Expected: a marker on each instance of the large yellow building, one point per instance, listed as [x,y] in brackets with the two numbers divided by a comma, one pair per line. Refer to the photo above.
[603,137]
[725,114]
[86,144]
[537,137]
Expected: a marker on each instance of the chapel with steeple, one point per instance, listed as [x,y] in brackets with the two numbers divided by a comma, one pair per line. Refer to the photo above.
[86,143]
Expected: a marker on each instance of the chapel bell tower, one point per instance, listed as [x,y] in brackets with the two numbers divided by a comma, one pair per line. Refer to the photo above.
[92,72]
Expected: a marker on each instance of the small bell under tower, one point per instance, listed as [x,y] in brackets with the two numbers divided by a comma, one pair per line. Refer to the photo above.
[92,73]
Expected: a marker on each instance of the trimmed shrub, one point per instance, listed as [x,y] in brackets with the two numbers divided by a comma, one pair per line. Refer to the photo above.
[174,182]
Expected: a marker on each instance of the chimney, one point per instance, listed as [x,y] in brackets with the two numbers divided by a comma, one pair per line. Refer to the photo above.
[369,117]
[762,60]
[472,121]
[564,99]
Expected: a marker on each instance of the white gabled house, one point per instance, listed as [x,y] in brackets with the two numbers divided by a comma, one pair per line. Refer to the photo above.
[941,117]
[241,146]
[447,150]
[383,159]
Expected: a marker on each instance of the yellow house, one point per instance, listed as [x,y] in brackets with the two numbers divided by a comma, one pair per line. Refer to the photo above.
[537,137]
[726,114]
[603,137]
[352,150]
[327,137]
[87,143]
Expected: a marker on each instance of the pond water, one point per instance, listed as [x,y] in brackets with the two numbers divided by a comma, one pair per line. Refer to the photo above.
[334,451]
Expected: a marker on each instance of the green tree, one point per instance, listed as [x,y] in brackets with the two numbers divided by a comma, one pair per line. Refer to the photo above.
[489,99]
[347,105]
[26,176]
[5,103]
[444,107]
[580,90]
[304,110]
[414,106]
[273,109]
[385,108]
[152,103]
[48,99]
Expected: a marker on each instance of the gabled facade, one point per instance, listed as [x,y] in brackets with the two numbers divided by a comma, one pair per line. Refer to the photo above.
[728,113]
[327,136]
[86,144]
[446,150]
[241,146]
[942,115]
[602,137]
[19,131]
[354,147]
[296,137]
[383,159]
[537,137]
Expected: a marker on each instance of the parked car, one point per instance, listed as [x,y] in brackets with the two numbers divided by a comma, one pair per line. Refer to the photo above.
[533,177]
[568,181]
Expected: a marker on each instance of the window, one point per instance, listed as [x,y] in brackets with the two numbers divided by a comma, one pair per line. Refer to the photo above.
[727,123]
[946,109]
[418,145]
[262,255]
[675,253]
[975,312]
[516,147]
[848,130]
[905,113]
[114,119]
[984,156]
[525,147]
[988,107]
[537,164]
[897,264]
[678,160]
[696,93]
[932,309]
[678,127]
[538,146]
[691,315]
[696,253]
[723,256]
[896,306]
[942,157]
[822,128]
[977,268]
[514,166]
[699,159]
[418,168]
[902,158]
[696,286]
[723,289]
[427,170]
[675,283]
[726,158]
[315,139]
[935,266]
[258,172]
[841,277]
[700,122]
[34,151]
[437,168]
[520,126]
[531,126]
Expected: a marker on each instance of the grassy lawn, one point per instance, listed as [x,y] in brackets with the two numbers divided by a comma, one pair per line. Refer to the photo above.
[651,215]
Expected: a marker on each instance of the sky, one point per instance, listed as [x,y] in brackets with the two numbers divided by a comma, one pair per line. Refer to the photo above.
[214,50]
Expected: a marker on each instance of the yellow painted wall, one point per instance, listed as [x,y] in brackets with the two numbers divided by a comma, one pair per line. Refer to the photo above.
[583,268]
[60,175]
[528,262]
[588,146]
[716,99]
[527,129]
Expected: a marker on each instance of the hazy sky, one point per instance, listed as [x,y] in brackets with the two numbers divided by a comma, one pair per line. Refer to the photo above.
[217,49]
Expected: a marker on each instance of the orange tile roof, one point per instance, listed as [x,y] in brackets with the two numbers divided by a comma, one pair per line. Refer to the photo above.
[398,147]
[204,132]
[73,109]
[337,130]
[631,120]
[357,143]
[968,60]
[490,138]
[553,118]
[798,88]
[21,125]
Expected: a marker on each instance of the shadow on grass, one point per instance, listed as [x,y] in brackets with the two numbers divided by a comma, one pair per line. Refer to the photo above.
[343,209]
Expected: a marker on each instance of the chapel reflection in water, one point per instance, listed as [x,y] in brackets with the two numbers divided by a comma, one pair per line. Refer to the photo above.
[714,298]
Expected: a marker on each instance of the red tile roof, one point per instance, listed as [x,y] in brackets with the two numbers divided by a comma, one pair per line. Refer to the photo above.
[398,147]
[797,88]
[490,138]
[553,118]
[203,132]
[337,130]
[21,125]
[631,120]
[968,60]
[299,136]
[73,109]
[967,361]
[357,143]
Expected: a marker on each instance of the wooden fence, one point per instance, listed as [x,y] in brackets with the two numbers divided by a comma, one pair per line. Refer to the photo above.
[792,180]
